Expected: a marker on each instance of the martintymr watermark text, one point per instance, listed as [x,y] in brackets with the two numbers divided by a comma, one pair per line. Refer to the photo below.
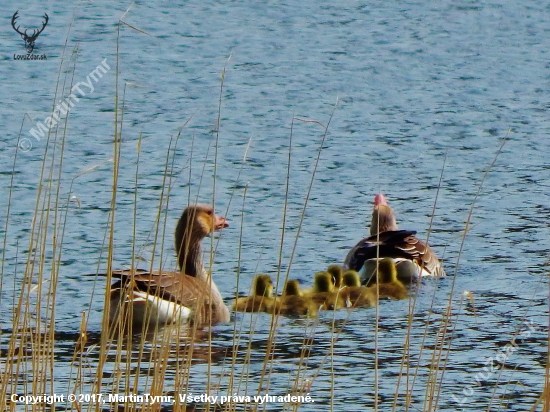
[63,107]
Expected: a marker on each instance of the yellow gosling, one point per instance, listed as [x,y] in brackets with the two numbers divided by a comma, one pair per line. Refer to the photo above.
[337,272]
[354,294]
[260,300]
[388,284]
[293,301]
[324,294]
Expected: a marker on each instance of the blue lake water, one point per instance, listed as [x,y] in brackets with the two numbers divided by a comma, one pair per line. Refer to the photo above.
[406,86]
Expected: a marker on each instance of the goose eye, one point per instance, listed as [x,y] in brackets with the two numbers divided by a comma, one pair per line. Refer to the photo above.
[209,213]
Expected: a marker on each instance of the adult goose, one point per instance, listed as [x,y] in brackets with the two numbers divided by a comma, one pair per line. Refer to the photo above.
[148,300]
[413,258]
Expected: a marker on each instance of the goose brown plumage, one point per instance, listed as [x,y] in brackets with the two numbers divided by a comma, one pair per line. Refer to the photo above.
[413,257]
[156,298]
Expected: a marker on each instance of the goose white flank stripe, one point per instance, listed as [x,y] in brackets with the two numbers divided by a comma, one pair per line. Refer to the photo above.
[160,310]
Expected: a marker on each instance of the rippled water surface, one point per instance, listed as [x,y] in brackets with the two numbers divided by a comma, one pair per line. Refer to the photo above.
[407,87]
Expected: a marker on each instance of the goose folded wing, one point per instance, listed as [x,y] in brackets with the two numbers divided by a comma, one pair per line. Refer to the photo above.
[394,244]
[172,286]
[423,254]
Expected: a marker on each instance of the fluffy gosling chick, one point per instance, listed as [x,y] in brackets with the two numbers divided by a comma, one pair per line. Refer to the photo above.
[354,294]
[388,284]
[324,294]
[337,273]
[293,301]
[260,300]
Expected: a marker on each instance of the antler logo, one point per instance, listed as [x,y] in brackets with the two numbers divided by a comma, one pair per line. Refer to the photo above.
[29,40]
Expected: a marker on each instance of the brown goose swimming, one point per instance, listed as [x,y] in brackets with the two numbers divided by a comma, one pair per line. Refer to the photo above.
[413,258]
[149,300]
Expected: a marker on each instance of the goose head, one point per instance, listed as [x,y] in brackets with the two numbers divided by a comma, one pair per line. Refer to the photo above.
[200,221]
[383,217]
[195,223]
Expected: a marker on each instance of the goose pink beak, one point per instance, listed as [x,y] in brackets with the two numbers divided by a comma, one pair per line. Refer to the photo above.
[221,222]
[380,199]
